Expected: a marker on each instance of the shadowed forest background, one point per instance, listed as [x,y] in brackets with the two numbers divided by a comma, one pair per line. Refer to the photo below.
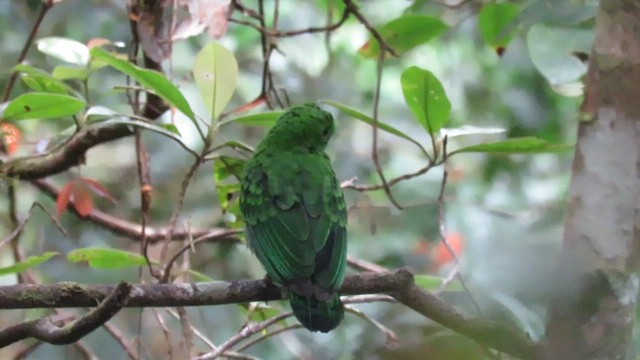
[509,72]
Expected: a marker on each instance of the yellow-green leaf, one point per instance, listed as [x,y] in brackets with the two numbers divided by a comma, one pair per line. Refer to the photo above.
[216,74]
[31,261]
[105,258]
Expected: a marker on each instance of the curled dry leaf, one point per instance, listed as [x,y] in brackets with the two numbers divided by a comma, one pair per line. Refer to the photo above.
[153,34]
[80,193]
[204,14]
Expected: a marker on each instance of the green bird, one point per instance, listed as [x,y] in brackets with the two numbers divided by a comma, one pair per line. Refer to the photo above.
[296,216]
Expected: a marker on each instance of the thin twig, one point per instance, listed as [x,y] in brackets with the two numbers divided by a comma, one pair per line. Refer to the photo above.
[85,351]
[144,181]
[14,237]
[132,230]
[363,265]
[289,33]
[353,8]
[442,221]
[121,339]
[350,184]
[165,332]
[362,299]
[46,6]
[374,146]
[392,338]
[25,352]
[190,245]
[186,330]
[20,228]
[269,335]
[178,208]
[238,5]
[245,333]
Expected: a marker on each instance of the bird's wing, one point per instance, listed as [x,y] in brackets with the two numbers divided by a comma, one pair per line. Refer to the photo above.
[332,256]
[278,226]
[295,222]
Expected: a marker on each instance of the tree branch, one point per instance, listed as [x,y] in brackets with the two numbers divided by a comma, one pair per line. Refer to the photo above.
[133,230]
[398,283]
[65,156]
[46,330]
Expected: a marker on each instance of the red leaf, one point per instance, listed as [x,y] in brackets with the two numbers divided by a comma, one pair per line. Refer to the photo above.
[10,137]
[98,188]
[63,197]
[82,199]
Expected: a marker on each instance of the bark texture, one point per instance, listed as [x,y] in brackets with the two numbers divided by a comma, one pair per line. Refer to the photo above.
[593,313]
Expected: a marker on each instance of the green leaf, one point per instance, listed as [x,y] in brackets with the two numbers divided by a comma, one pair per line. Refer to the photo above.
[369,120]
[223,168]
[171,128]
[267,119]
[68,50]
[45,84]
[227,194]
[226,166]
[495,22]
[554,12]
[258,312]
[104,258]
[405,33]
[69,72]
[552,49]
[216,74]
[28,263]
[433,283]
[237,145]
[28,69]
[426,98]
[149,79]
[42,106]
[523,145]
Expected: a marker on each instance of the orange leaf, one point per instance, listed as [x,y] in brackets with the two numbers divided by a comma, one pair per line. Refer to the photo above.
[82,199]
[10,136]
[98,188]
[63,197]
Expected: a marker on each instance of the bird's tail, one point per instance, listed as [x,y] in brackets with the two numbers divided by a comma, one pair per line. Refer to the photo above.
[317,315]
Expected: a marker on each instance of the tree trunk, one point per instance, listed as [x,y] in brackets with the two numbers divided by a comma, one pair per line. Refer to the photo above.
[593,312]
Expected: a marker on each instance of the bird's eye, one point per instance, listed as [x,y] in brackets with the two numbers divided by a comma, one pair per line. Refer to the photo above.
[325,132]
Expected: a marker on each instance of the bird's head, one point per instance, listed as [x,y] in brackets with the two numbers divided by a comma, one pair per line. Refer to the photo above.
[305,128]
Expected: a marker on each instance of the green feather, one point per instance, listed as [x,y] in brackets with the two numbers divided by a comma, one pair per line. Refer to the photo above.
[296,215]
